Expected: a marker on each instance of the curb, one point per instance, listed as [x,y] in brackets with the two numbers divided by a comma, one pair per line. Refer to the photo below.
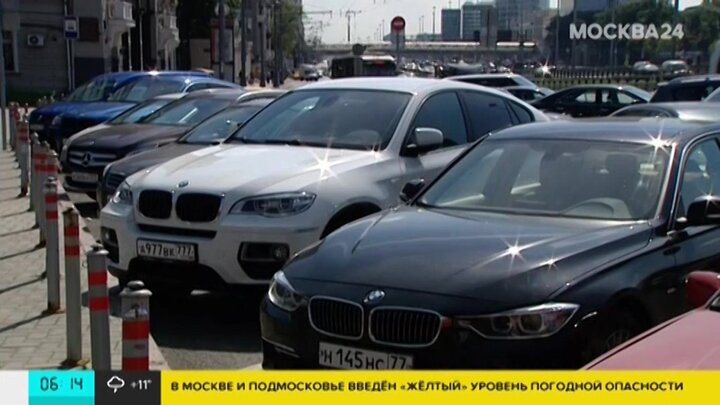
[157,360]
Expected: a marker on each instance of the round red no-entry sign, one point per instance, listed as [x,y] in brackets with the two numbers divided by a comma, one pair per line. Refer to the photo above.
[398,24]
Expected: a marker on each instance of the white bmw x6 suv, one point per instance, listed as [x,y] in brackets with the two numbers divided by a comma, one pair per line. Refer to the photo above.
[314,160]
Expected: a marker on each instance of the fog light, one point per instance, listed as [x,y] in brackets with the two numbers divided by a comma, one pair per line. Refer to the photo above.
[108,236]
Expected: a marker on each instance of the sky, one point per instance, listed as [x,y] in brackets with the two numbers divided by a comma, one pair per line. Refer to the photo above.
[366,24]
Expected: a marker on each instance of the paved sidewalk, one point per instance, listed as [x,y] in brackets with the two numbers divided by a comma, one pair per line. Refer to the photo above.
[29,339]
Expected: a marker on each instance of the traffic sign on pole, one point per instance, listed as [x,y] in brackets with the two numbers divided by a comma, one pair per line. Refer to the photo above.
[398,24]
[71,28]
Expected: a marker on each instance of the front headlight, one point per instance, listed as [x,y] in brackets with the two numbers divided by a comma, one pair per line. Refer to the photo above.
[283,295]
[525,323]
[275,205]
[123,195]
[56,121]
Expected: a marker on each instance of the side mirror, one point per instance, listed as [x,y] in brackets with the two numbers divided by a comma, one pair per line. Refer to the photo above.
[425,140]
[701,286]
[411,190]
[703,211]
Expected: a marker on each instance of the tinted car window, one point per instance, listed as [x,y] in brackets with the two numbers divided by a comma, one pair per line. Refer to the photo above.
[549,178]
[96,90]
[491,81]
[343,119]
[140,112]
[587,96]
[522,114]
[443,112]
[146,88]
[685,91]
[702,174]
[221,125]
[187,111]
[487,113]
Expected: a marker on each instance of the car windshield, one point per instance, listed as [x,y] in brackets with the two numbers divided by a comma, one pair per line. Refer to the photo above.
[686,92]
[140,112]
[146,88]
[187,112]
[96,90]
[221,125]
[555,178]
[343,119]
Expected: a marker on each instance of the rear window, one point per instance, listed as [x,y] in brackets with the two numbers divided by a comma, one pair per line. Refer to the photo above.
[685,92]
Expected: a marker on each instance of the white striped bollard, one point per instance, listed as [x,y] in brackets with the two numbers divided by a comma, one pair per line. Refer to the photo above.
[48,170]
[73,292]
[52,246]
[99,305]
[136,327]
[13,115]
[33,171]
[23,136]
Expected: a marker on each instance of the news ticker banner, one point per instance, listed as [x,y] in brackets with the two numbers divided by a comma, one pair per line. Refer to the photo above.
[331,387]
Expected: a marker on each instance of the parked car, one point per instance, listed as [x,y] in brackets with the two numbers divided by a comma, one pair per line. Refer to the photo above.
[713,97]
[211,131]
[528,93]
[684,110]
[95,91]
[645,67]
[592,100]
[76,119]
[687,342]
[494,79]
[309,73]
[86,156]
[688,88]
[541,247]
[314,160]
[674,68]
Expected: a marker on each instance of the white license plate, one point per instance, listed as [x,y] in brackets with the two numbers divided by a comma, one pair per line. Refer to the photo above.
[81,177]
[336,356]
[166,250]
[37,127]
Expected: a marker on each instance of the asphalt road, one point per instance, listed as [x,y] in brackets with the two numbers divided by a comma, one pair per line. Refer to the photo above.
[203,331]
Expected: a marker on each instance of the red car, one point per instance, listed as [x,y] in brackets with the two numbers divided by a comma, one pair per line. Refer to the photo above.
[689,342]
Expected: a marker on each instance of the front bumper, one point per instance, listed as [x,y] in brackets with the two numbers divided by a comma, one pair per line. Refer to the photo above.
[217,247]
[290,342]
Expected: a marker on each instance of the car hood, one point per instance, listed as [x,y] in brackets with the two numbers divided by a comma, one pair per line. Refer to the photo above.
[688,342]
[254,168]
[487,256]
[51,110]
[141,161]
[127,136]
[100,111]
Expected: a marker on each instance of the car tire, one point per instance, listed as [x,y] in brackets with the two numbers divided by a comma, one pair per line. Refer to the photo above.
[617,327]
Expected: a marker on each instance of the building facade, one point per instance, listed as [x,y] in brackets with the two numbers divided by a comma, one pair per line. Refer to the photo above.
[111,35]
[479,19]
[451,22]
[519,16]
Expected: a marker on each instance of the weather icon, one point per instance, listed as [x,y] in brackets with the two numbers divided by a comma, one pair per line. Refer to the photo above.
[115,383]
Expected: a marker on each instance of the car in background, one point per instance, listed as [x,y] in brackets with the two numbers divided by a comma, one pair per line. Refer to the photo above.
[316,159]
[86,156]
[645,67]
[309,73]
[688,88]
[688,342]
[209,132]
[592,100]
[713,97]
[494,79]
[541,247]
[674,68]
[97,90]
[528,93]
[77,118]
[685,110]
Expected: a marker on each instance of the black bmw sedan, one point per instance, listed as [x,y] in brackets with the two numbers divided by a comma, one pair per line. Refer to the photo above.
[592,100]
[541,247]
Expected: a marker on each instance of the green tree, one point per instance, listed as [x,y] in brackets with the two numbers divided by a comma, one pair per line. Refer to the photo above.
[289,25]
[701,26]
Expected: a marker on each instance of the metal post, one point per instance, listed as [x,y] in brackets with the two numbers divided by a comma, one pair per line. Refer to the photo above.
[73,290]
[276,40]
[52,251]
[221,40]
[33,171]
[3,84]
[13,115]
[136,327]
[23,156]
[556,61]
[99,305]
[243,43]
[263,78]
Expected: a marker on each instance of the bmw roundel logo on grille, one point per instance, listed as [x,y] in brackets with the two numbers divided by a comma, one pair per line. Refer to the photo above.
[374,297]
[183,184]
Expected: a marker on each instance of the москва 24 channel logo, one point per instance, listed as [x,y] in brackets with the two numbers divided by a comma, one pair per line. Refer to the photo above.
[634,31]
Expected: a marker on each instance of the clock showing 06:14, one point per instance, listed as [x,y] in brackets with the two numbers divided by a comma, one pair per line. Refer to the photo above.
[51,384]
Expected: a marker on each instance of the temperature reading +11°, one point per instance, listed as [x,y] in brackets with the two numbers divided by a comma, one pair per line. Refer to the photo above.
[141,385]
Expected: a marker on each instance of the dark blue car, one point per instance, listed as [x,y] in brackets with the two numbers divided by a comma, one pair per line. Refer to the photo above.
[96,90]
